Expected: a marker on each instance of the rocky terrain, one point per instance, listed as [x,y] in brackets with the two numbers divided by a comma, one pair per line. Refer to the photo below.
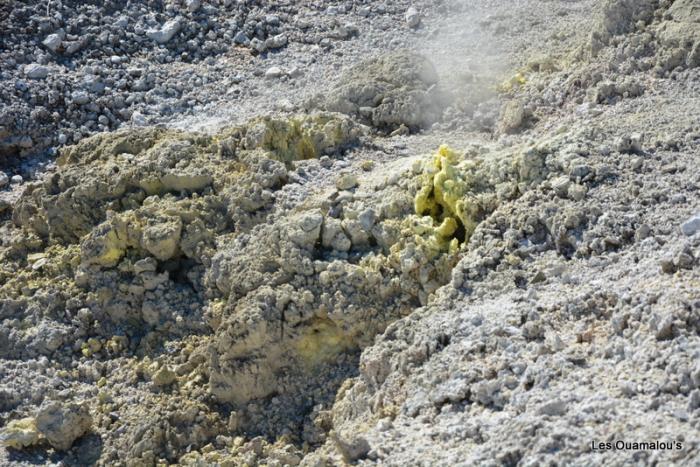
[326,233]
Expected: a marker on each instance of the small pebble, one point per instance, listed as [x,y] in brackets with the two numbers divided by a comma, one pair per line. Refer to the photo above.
[36,71]
[691,226]
[346,182]
[412,17]
[274,72]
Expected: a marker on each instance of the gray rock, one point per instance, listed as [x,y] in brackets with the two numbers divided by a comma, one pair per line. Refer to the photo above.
[412,17]
[276,42]
[577,192]
[694,400]
[629,144]
[387,92]
[62,424]
[241,38]
[560,185]
[274,72]
[193,5]
[53,42]
[257,44]
[165,33]
[36,71]
[122,22]
[691,226]
[4,179]
[80,97]
[685,259]
[553,408]
[667,264]
[17,179]
[662,327]
[138,119]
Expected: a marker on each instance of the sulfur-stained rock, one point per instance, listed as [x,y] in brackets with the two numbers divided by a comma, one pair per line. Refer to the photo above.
[62,424]
[164,376]
[121,171]
[161,239]
[18,434]
[106,244]
[346,182]
[313,287]
[301,137]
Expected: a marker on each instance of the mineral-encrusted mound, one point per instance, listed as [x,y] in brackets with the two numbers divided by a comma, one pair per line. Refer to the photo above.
[59,424]
[388,91]
[132,218]
[669,32]
[117,172]
[326,280]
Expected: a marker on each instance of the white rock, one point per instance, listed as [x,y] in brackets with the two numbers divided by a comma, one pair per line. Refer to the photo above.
[274,72]
[17,179]
[165,33]
[272,19]
[193,5]
[691,226]
[4,179]
[138,119]
[36,71]
[53,42]
[241,38]
[122,22]
[258,45]
[412,17]
[275,42]
[364,11]
[553,408]
[80,97]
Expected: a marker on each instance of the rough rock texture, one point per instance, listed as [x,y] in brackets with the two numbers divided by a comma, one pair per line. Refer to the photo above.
[61,425]
[669,30]
[387,92]
[71,69]
[20,433]
[487,255]
[313,286]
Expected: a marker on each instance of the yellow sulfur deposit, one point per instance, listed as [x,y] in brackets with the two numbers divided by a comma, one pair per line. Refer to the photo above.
[301,137]
[441,197]
[513,82]
[20,433]
[324,341]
